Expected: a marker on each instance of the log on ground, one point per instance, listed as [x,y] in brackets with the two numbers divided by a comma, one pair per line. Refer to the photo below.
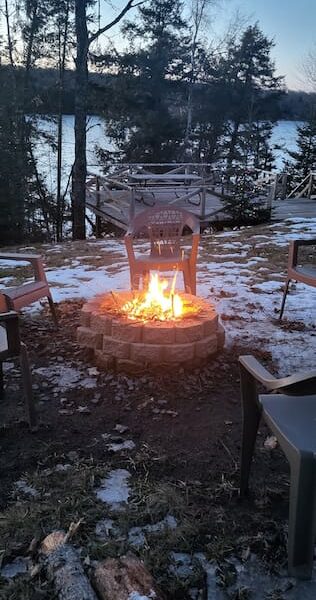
[63,565]
[125,578]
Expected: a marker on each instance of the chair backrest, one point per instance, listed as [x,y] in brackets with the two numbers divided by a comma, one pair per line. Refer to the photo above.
[164,226]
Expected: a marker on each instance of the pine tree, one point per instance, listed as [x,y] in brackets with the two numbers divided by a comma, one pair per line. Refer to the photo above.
[248,71]
[305,155]
[146,121]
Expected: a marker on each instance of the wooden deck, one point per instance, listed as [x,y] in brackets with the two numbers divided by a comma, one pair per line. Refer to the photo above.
[130,189]
[293,208]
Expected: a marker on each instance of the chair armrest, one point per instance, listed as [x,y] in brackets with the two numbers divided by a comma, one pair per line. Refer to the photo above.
[294,247]
[258,372]
[9,316]
[299,383]
[34,259]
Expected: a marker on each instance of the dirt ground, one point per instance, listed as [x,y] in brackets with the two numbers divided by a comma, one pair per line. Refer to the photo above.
[186,428]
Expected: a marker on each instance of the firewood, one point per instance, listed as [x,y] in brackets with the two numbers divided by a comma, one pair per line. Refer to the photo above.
[125,578]
[63,565]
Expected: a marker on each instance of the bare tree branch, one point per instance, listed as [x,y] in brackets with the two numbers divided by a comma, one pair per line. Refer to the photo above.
[130,4]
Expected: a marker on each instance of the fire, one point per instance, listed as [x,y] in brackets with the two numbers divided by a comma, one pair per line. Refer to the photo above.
[156,303]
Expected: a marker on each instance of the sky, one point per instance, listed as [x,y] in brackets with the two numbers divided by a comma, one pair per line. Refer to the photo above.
[291,23]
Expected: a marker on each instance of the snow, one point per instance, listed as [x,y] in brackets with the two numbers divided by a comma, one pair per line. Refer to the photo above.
[65,377]
[114,489]
[6,263]
[246,289]
[18,566]
[251,575]
[137,596]
[137,535]
[120,446]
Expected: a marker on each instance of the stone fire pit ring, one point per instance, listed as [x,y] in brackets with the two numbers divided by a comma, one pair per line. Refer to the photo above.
[135,346]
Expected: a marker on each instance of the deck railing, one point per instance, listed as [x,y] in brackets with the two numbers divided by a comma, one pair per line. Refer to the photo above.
[176,183]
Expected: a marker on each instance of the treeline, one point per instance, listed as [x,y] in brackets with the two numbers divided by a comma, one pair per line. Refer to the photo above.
[169,94]
[291,105]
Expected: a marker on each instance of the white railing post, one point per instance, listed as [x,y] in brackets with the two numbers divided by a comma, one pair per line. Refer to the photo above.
[203,202]
[97,216]
[273,192]
[283,185]
[132,206]
[310,185]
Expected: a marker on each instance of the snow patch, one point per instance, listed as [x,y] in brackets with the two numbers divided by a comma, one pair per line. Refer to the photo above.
[114,489]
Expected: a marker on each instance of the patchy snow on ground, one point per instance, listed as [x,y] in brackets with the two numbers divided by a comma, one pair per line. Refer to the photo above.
[65,377]
[242,272]
[137,535]
[250,576]
[114,489]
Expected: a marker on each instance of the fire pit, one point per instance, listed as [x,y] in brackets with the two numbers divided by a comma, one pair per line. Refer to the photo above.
[137,331]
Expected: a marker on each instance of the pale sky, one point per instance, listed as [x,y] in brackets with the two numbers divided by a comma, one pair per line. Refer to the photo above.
[291,23]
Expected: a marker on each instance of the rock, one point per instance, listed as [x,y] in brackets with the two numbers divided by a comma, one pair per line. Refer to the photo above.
[120,428]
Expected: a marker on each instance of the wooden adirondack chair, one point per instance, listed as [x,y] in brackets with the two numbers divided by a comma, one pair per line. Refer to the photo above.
[290,413]
[10,347]
[24,295]
[164,226]
[304,273]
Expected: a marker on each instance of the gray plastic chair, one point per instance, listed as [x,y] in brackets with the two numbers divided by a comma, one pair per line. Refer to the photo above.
[291,416]
[303,273]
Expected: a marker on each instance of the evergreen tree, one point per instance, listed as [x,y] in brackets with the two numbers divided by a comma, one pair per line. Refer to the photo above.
[305,155]
[252,87]
[146,121]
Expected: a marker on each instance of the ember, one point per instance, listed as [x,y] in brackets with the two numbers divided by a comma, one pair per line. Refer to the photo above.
[155,304]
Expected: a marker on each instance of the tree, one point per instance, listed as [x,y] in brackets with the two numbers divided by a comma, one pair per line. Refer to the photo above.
[305,155]
[146,119]
[252,86]
[84,40]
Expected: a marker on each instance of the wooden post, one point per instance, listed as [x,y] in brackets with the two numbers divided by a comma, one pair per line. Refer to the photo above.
[203,202]
[132,206]
[283,185]
[273,192]
[97,217]
[310,185]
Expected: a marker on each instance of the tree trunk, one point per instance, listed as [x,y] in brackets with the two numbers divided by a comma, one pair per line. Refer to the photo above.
[64,567]
[80,164]
[62,41]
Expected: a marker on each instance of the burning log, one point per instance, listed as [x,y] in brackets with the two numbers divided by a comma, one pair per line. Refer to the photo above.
[123,579]
[64,567]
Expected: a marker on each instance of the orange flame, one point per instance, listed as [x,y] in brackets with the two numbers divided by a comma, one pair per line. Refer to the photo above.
[156,303]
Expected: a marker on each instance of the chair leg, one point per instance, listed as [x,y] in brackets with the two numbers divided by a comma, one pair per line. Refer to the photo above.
[1,381]
[302,521]
[251,413]
[135,281]
[145,280]
[187,279]
[286,289]
[53,310]
[193,282]
[27,384]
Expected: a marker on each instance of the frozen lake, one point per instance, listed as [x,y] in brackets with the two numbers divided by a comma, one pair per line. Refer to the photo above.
[284,136]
